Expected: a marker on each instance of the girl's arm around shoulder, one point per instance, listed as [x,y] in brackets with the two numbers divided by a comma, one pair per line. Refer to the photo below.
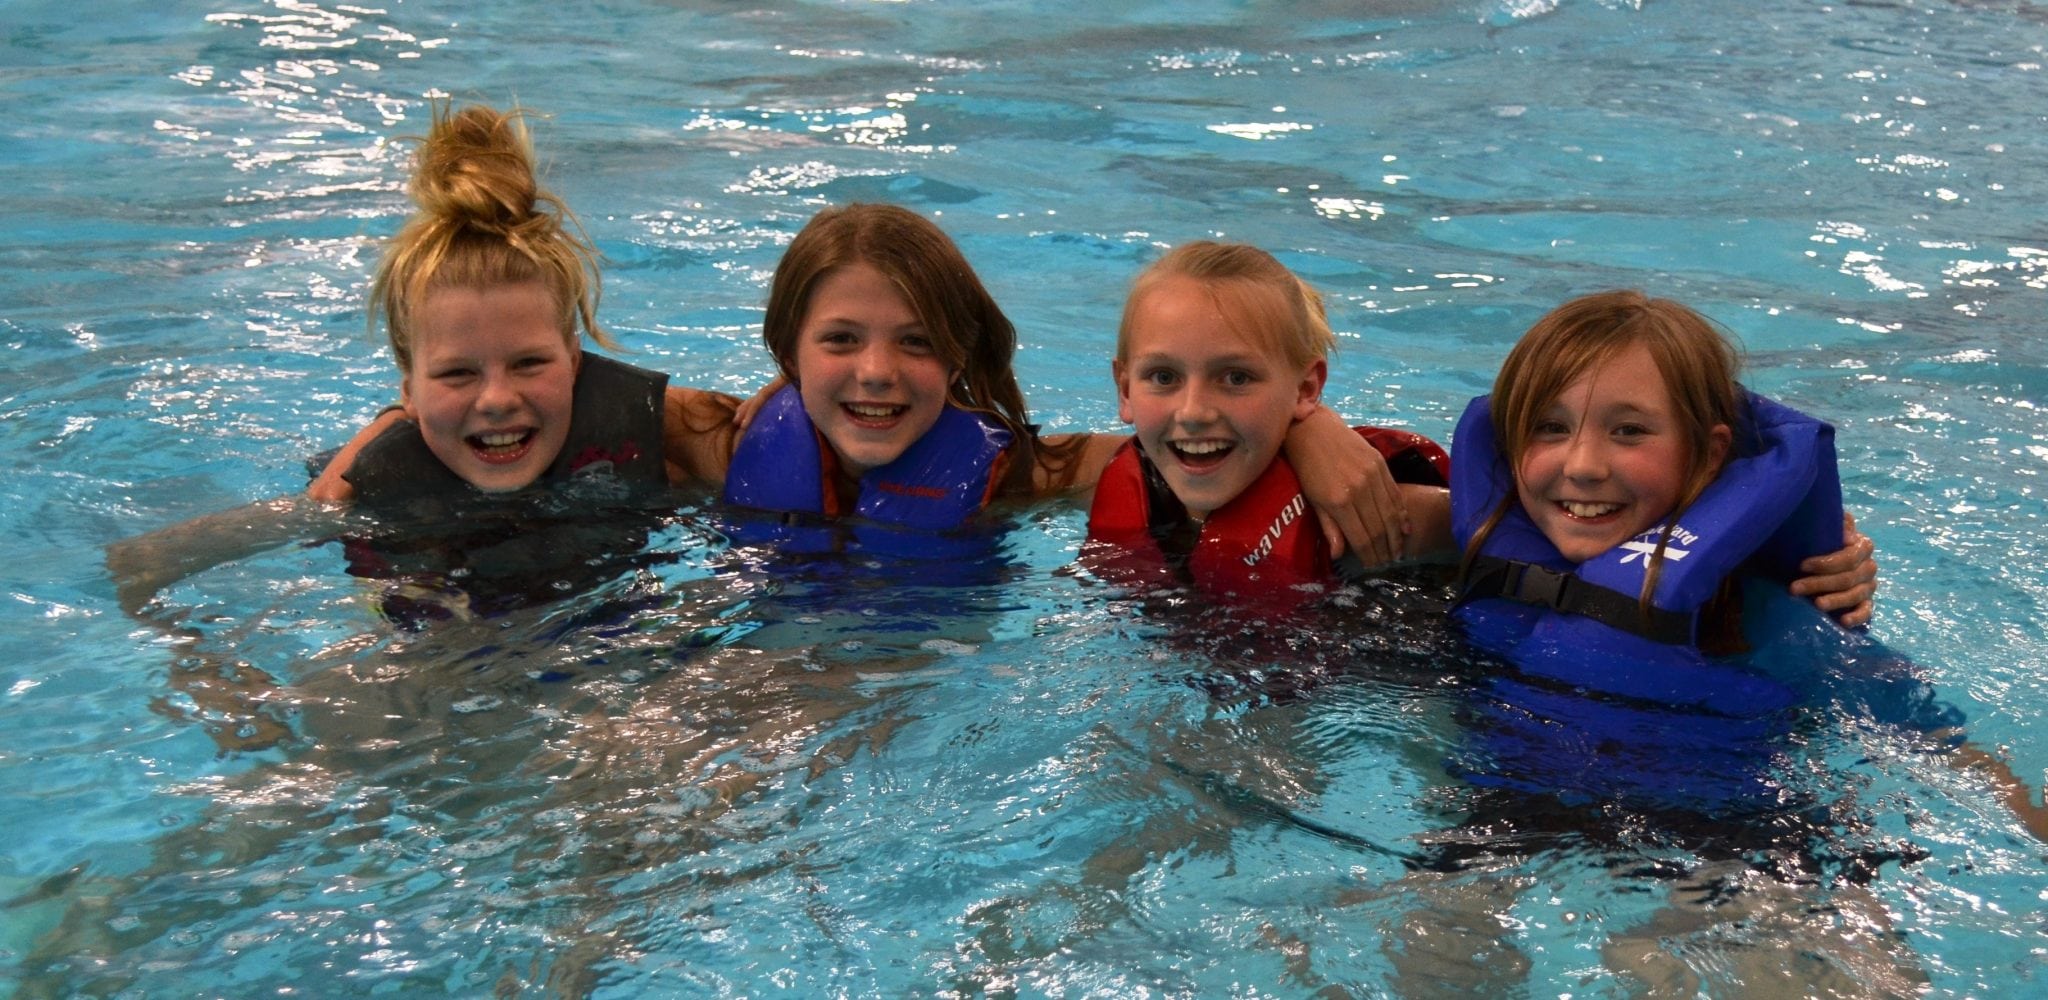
[1068,466]
[1347,481]
[698,436]
[329,486]
[1429,521]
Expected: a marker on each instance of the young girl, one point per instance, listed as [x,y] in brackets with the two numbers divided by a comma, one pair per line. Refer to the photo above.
[1220,352]
[483,292]
[1611,496]
[1618,483]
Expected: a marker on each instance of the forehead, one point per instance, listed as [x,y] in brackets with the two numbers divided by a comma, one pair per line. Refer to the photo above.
[1629,377]
[461,319]
[1185,319]
[856,288]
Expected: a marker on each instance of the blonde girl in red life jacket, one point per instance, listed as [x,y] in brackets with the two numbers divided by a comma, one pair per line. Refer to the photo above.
[1221,351]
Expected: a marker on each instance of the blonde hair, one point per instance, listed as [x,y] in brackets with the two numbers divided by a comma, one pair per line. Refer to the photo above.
[1694,358]
[1258,297]
[483,220]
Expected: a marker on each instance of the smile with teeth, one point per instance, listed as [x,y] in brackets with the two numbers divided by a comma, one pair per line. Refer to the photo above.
[874,411]
[501,444]
[1200,451]
[1588,510]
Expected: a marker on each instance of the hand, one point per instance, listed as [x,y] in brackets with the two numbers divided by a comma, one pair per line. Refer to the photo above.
[753,404]
[1842,583]
[1347,482]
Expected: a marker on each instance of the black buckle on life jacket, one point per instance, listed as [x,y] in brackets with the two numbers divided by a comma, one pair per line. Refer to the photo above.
[1532,584]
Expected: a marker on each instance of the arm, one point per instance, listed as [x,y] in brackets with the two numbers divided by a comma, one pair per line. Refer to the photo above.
[698,435]
[1347,482]
[744,416]
[1069,465]
[1429,521]
[1842,583]
[146,564]
[329,487]
[2011,790]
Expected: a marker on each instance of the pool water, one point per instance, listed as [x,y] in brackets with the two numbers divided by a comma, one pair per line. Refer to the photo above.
[706,768]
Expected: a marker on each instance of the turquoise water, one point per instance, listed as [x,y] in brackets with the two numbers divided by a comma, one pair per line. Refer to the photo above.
[706,772]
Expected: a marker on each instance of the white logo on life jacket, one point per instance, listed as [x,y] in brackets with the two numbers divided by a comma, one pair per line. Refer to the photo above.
[1275,530]
[1643,546]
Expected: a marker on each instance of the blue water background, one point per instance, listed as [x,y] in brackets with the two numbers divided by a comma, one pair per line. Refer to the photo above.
[194,194]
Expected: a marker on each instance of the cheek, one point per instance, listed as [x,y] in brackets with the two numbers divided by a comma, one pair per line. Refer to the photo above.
[1537,467]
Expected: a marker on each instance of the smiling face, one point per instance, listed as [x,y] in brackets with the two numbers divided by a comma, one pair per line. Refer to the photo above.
[492,383]
[1607,460]
[1210,406]
[866,369]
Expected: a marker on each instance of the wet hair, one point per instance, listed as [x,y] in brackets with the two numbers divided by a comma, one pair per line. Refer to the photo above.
[483,220]
[1256,294]
[1695,359]
[968,331]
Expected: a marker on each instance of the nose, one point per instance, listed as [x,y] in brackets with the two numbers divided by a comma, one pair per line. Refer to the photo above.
[496,394]
[1194,406]
[876,365]
[1585,457]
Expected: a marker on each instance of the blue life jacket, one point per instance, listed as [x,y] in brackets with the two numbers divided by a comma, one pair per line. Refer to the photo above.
[917,506]
[939,482]
[1776,502]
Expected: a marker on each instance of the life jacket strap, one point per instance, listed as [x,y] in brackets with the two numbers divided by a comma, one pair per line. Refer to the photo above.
[1530,583]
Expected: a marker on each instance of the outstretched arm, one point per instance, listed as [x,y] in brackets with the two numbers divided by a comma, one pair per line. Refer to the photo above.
[146,564]
[1842,583]
[2012,790]
[1347,482]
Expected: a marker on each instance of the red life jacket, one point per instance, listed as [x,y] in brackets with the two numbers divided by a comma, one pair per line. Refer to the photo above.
[1263,546]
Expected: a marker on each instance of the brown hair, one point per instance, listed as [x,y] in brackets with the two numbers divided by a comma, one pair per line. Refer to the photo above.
[1695,358]
[483,220]
[969,332]
[1256,294]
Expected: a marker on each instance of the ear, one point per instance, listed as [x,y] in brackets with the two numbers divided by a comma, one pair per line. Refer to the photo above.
[1309,394]
[405,398]
[1123,390]
[1718,441]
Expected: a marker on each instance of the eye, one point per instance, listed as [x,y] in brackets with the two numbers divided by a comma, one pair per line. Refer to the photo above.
[917,343]
[452,374]
[838,338]
[531,363]
[1631,432]
[1159,377]
[1550,429]
[1239,378]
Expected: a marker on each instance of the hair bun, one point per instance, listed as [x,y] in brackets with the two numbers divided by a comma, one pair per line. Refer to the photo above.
[476,170]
